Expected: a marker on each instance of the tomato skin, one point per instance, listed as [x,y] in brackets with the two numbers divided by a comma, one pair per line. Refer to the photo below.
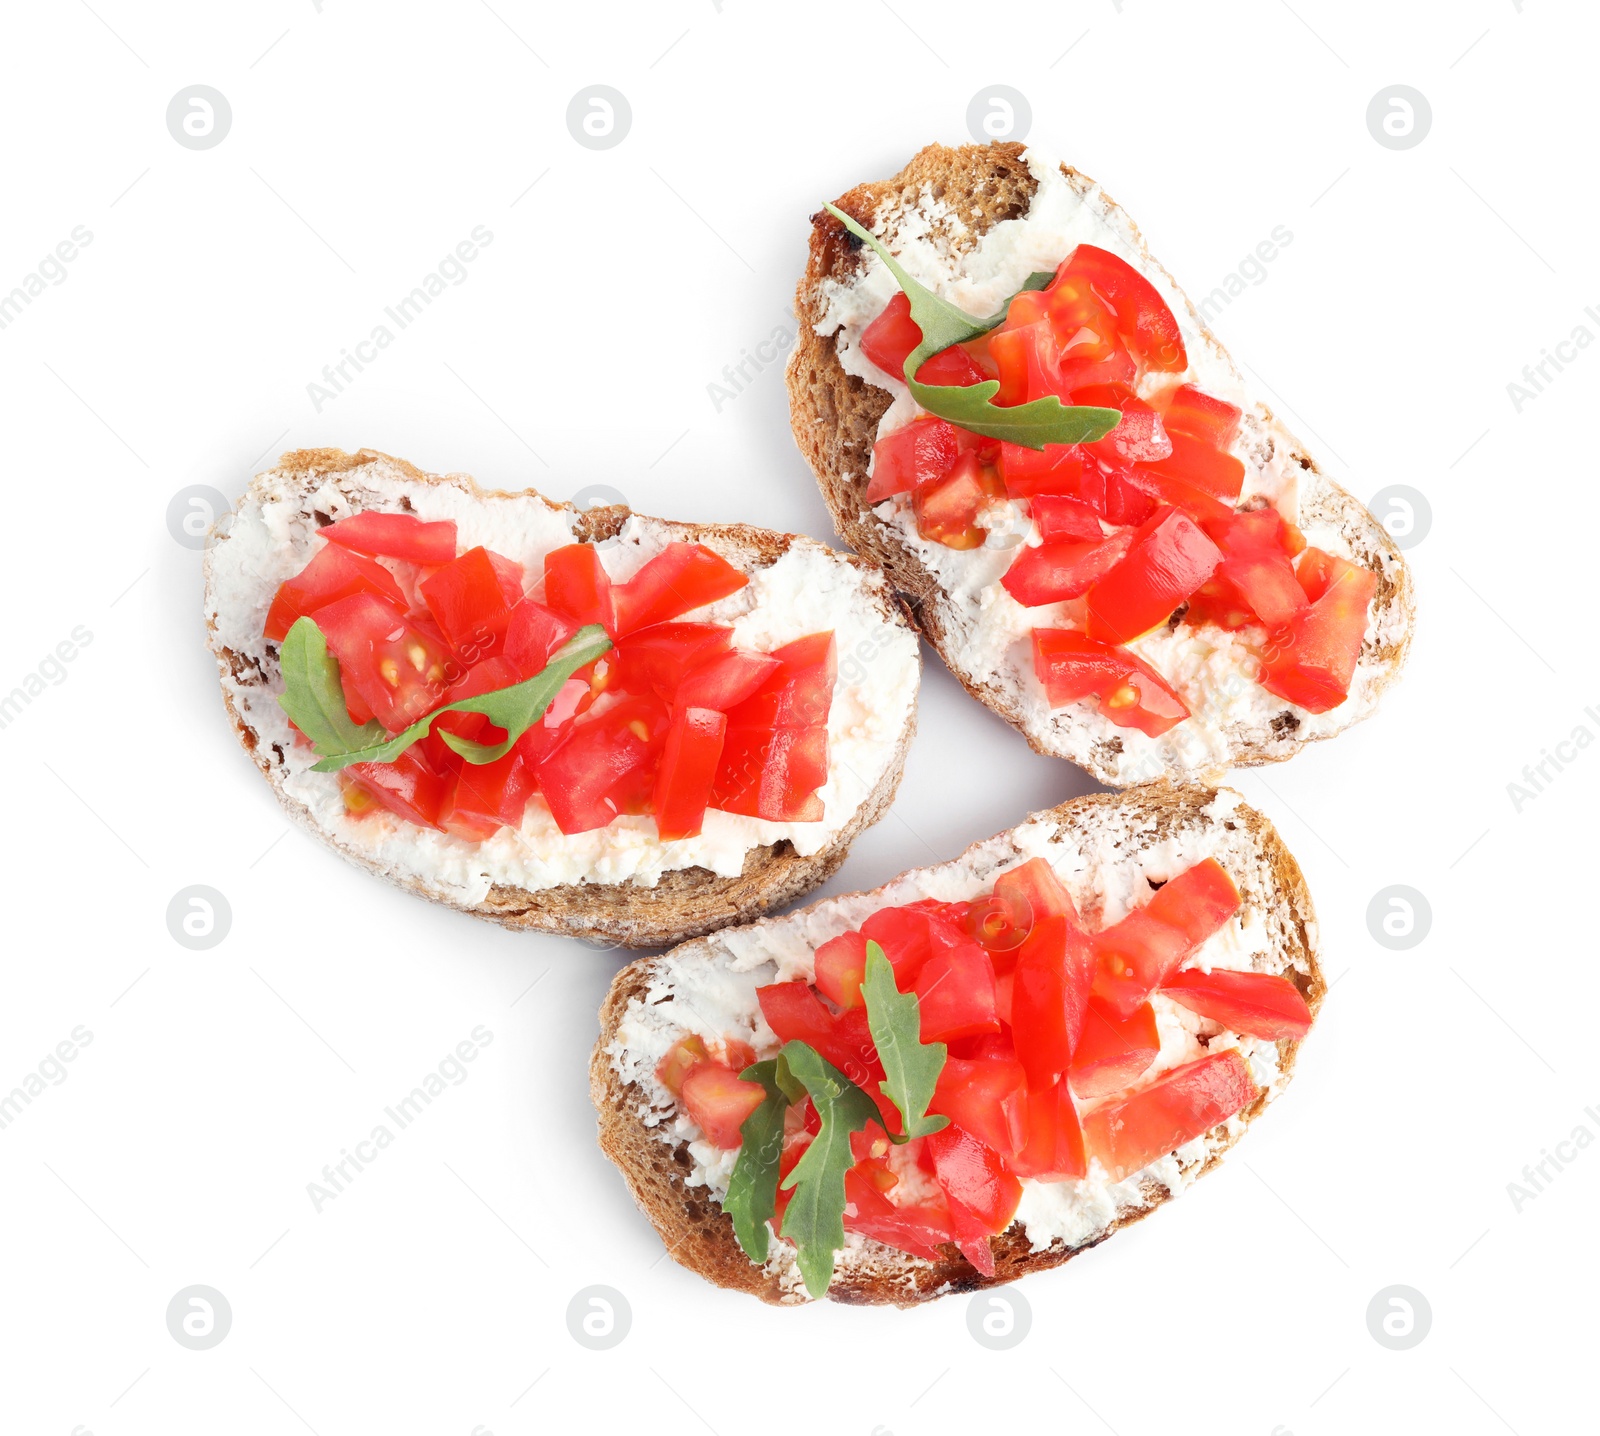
[468,604]
[1139,436]
[909,937]
[1113,1051]
[482,798]
[333,573]
[1063,517]
[1053,1149]
[956,994]
[1143,320]
[1218,474]
[1054,469]
[772,773]
[725,681]
[533,633]
[581,778]
[1215,422]
[409,788]
[946,510]
[795,1013]
[982,1191]
[1155,486]
[800,694]
[577,586]
[890,338]
[1313,663]
[1070,665]
[915,454]
[1028,362]
[1177,1107]
[688,768]
[1170,558]
[679,579]
[402,536]
[719,1101]
[1062,568]
[1138,954]
[1257,1004]
[986,1098]
[918,1229]
[657,659]
[841,963]
[1049,996]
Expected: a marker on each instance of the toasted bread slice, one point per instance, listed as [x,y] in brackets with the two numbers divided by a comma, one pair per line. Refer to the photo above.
[943,215]
[1108,849]
[619,885]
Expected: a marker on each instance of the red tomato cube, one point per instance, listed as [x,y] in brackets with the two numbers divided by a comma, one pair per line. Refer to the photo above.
[719,1100]
[1113,1051]
[1170,558]
[1177,1107]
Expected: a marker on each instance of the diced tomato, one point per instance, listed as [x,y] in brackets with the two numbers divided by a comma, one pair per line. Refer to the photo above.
[684,1054]
[916,1228]
[1215,422]
[1313,668]
[533,633]
[946,510]
[956,994]
[582,779]
[982,1191]
[1060,517]
[1113,1051]
[1050,990]
[1177,1107]
[399,670]
[841,963]
[510,576]
[718,1100]
[1143,320]
[1142,951]
[577,586]
[1033,892]
[985,1098]
[795,1013]
[909,937]
[1170,558]
[1157,487]
[408,787]
[1062,568]
[1053,1149]
[1139,436]
[1054,469]
[484,677]
[1119,493]
[403,536]
[682,577]
[572,698]
[1071,666]
[1258,1004]
[915,454]
[1194,462]
[468,603]
[658,659]
[688,768]
[1028,362]
[890,338]
[332,574]
[482,798]
[725,681]
[999,926]
[772,773]
[800,693]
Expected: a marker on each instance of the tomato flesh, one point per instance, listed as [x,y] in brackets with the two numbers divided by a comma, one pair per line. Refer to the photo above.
[1113,1050]
[890,338]
[841,963]
[577,586]
[1313,668]
[915,454]
[333,574]
[946,510]
[592,776]
[402,536]
[982,1190]
[1177,1107]
[533,634]
[688,769]
[1049,994]
[1053,1147]
[956,994]
[468,604]
[1215,422]
[1143,320]
[679,579]
[727,680]
[1062,568]
[719,1101]
[1071,666]
[1062,517]
[399,671]
[1258,1004]
[985,1098]
[1170,558]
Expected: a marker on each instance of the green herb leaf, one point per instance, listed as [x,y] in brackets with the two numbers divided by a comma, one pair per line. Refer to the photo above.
[911,1066]
[753,1187]
[814,1220]
[314,699]
[1032,425]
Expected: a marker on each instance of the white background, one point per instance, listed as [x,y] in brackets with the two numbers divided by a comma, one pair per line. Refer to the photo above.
[431,1296]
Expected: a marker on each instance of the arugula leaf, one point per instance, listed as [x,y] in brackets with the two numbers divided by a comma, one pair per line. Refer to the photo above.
[1032,425]
[314,699]
[753,1187]
[911,1066]
[814,1220]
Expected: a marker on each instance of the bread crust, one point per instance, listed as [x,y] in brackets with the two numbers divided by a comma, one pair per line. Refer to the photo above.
[699,1234]
[835,417]
[684,903]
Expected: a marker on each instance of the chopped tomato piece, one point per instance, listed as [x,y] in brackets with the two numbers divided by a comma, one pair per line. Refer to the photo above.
[1113,1050]
[798,694]
[482,798]
[1054,469]
[1177,1107]
[682,577]
[1194,462]
[408,787]
[1155,486]
[509,573]
[1112,491]
[947,509]
[1131,693]
[1143,320]
[1139,436]
[1138,954]
[588,779]
[915,454]
[841,963]
[718,1100]
[982,1191]
[688,767]
[1314,667]
[1053,1149]
[684,1054]
[1061,517]
[1215,422]
[985,1098]
[577,586]
[917,1228]
[890,338]
[909,937]
[468,603]
[773,773]
[1028,362]
[725,681]
[795,1013]
[657,659]
[1050,990]
[533,633]
[1258,1004]
[1062,568]
[955,994]
[400,671]
[1033,892]
[332,574]
[572,698]
[1000,926]
[403,536]
[1170,558]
